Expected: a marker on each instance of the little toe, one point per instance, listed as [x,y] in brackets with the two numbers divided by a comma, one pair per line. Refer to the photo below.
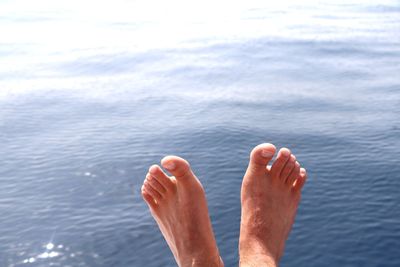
[155,184]
[148,198]
[300,181]
[158,174]
[290,164]
[280,162]
[260,156]
[294,174]
[178,167]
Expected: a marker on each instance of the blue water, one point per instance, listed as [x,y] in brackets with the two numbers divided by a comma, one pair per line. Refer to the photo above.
[91,97]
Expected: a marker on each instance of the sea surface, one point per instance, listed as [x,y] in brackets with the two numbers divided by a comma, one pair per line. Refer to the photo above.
[94,92]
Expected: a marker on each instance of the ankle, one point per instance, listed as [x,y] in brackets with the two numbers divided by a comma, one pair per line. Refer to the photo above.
[256,255]
[202,261]
[258,261]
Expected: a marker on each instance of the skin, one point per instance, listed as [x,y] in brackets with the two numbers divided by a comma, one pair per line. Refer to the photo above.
[179,206]
[270,197]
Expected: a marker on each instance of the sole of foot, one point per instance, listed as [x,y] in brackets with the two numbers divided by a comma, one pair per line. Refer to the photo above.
[179,206]
[270,196]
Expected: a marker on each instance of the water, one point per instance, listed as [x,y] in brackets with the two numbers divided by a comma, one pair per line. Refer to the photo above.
[91,94]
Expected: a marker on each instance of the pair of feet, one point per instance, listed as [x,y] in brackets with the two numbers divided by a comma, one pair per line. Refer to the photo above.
[270,196]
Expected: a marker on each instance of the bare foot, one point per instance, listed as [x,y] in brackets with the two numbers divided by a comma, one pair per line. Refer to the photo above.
[270,197]
[179,206]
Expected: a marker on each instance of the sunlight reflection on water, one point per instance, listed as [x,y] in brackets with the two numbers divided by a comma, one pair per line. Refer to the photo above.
[49,253]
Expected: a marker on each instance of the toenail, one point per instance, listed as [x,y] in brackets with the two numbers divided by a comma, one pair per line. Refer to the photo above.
[169,166]
[153,169]
[285,152]
[266,153]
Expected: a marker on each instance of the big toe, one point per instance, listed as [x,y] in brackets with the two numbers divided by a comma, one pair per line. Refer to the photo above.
[178,167]
[260,156]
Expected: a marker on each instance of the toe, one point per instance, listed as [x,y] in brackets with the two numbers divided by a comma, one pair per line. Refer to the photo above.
[178,167]
[288,168]
[148,199]
[294,174]
[280,162]
[260,156]
[300,181]
[155,184]
[152,192]
[158,174]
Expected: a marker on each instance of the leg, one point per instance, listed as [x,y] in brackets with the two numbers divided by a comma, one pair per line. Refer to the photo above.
[179,206]
[270,197]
